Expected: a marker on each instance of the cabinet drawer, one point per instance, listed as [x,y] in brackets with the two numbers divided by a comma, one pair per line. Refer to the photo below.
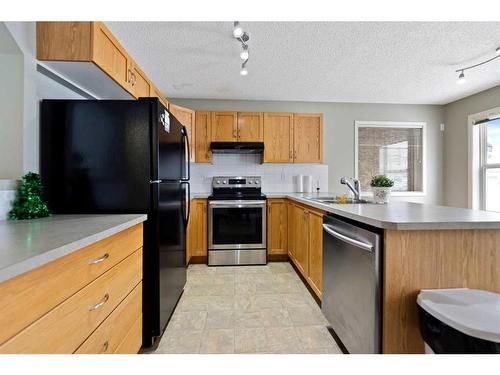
[64,328]
[27,297]
[133,341]
[109,335]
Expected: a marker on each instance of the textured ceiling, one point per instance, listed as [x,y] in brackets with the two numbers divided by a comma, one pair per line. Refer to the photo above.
[373,62]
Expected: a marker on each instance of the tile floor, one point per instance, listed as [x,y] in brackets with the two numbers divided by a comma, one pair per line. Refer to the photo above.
[246,309]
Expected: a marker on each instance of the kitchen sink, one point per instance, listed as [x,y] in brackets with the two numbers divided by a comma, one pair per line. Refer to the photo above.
[333,200]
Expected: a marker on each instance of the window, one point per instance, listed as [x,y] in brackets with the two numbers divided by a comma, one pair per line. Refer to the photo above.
[395,149]
[489,164]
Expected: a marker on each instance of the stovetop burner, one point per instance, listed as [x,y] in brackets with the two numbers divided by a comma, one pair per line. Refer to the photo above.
[236,188]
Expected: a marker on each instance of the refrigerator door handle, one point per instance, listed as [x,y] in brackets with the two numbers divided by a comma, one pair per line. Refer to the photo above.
[188,156]
[188,203]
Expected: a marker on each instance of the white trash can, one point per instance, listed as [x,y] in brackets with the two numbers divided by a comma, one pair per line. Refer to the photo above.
[459,320]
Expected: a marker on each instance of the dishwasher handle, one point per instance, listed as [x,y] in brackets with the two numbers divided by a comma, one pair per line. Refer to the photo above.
[349,240]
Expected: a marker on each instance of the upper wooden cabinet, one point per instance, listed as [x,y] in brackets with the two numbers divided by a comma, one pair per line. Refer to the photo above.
[88,54]
[203,130]
[224,126]
[154,92]
[186,117]
[141,87]
[250,127]
[308,137]
[104,49]
[278,137]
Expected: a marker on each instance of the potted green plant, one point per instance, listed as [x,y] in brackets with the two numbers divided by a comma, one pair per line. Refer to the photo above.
[381,188]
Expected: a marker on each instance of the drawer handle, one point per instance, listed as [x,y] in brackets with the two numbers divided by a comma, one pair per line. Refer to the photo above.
[105,347]
[99,260]
[100,304]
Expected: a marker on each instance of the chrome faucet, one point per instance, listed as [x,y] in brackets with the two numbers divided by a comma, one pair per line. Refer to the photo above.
[355,189]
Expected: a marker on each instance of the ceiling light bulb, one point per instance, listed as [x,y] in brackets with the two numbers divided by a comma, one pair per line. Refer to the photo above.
[244,54]
[461,77]
[237,31]
[243,71]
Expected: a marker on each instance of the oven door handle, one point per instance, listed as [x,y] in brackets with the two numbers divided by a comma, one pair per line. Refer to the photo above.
[237,203]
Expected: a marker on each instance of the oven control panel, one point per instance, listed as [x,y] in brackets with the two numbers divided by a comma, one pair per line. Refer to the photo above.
[236,182]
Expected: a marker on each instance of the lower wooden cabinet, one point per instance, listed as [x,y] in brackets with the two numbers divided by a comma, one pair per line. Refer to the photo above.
[315,259]
[277,227]
[305,243]
[196,238]
[99,300]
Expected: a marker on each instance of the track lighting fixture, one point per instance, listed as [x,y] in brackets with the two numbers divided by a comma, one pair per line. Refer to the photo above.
[243,38]
[461,76]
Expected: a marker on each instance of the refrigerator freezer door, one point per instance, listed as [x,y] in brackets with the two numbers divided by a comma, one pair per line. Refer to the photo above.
[168,146]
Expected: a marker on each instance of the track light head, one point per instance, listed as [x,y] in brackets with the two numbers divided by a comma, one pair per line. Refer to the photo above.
[497,51]
[237,31]
[244,54]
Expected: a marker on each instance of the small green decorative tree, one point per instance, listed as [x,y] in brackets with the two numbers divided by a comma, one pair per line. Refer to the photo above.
[28,203]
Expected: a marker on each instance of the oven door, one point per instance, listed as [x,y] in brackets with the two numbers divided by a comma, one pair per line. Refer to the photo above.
[238,224]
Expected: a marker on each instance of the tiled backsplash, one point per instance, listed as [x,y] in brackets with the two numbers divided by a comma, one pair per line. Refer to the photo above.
[276,178]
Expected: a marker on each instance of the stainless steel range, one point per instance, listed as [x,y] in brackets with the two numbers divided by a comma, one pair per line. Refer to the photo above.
[236,221]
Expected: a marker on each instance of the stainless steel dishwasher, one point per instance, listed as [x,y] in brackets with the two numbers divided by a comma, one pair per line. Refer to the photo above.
[351,284]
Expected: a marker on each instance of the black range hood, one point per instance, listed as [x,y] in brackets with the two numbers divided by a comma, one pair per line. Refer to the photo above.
[237,147]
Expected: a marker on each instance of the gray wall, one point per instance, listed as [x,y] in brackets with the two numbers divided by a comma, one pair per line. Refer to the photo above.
[11,106]
[36,87]
[339,132]
[456,143]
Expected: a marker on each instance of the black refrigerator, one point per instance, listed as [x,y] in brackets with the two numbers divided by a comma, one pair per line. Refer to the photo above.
[124,156]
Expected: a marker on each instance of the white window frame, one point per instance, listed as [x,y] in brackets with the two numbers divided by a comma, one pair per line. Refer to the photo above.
[476,155]
[402,125]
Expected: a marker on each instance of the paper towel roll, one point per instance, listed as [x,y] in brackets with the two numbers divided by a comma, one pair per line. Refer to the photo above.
[307,184]
[299,184]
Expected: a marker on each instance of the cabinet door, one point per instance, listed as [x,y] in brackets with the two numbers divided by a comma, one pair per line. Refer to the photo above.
[277,223]
[110,56]
[250,126]
[308,138]
[186,117]
[315,252]
[203,130]
[291,229]
[302,240]
[278,137]
[197,230]
[139,81]
[154,92]
[224,126]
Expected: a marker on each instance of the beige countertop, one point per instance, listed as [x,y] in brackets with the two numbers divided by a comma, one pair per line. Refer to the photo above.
[400,215]
[28,244]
